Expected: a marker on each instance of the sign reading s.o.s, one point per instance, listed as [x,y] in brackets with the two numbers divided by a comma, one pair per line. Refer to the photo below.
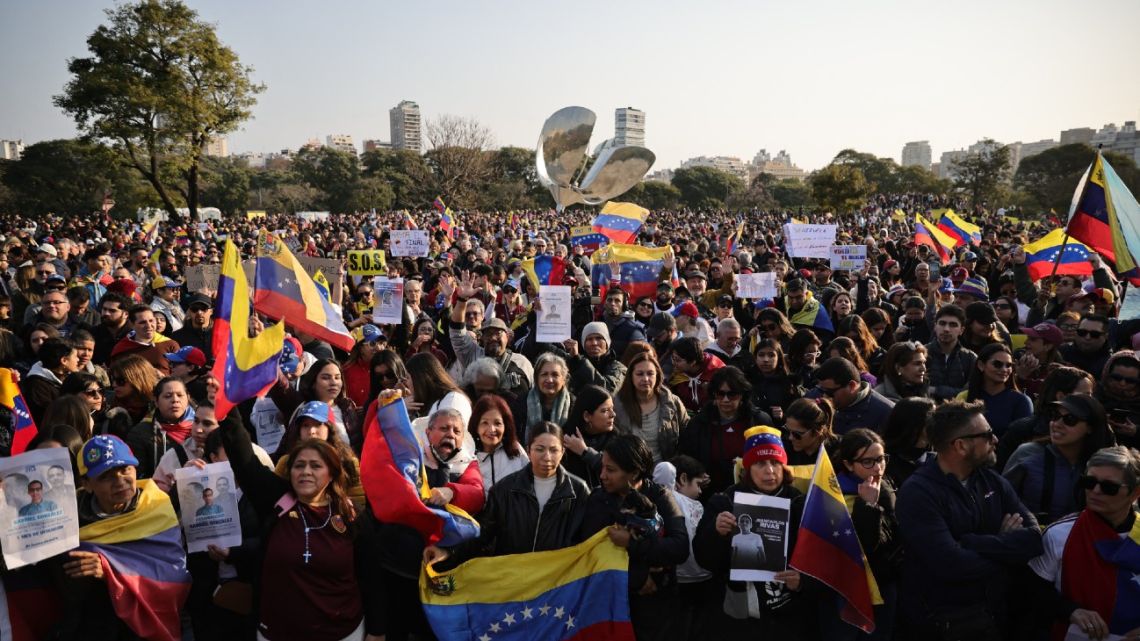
[367,262]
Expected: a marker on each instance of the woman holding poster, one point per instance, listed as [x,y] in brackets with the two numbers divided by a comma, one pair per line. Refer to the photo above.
[783,608]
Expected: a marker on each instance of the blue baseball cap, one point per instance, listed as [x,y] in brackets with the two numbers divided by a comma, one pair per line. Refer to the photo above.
[316,410]
[102,453]
[372,334]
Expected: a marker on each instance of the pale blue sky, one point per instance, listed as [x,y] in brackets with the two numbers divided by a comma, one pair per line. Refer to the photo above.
[714,77]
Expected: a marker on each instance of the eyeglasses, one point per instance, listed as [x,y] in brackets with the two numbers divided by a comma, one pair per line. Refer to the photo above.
[93,393]
[52,303]
[1001,306]
[770,327]
[1068,419]
[1068,327]
[796,436]
[364,294]
[645,304]
[386,375]
[988,434]
[728,394]
[1121,378]
[870,463]
[1089,333]
[45,272]
[813,354]
[1110,488]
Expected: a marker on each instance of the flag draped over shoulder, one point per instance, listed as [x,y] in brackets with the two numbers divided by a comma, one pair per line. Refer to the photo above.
[283,290]
[962,232]
[925,233]
[392,473]
[620,222]
[23,427]
[1041,255]
[245,367]
[1098,570]
[578,593]
[545,270]
[144,564]
[640,268]
[1105,216]
[828,548]
[813,315]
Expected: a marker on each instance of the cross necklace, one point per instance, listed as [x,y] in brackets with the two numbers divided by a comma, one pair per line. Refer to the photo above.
[301,510]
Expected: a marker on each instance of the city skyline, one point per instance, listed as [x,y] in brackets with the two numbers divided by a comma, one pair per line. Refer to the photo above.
[694,71]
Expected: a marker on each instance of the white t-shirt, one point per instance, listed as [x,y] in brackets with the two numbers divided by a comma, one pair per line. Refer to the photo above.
[543,489]
[1048,565]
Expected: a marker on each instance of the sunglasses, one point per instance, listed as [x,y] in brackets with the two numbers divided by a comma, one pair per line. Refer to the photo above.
[93,393]
[1068,327]
[727,394]
[1068,419]
[828,391]
[770,327]
[1110,488]
[796,436]
[1089,333]
[1121,378]
[988,434]
[1001,365]
[645,304]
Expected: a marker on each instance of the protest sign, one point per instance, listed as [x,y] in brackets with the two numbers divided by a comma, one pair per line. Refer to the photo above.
[367,262]
[848,257]
[388,300]
[409,242]
[809,241]
[1130,306]
[209,506]
[267,424]
[553,322]
[760,548]
[38,513]
[199,277]
[762,285]
[205,277]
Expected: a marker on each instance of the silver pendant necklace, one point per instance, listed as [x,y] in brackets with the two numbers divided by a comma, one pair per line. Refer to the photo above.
[301,510]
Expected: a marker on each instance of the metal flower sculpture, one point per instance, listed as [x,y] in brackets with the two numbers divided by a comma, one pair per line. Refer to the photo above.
[561,161]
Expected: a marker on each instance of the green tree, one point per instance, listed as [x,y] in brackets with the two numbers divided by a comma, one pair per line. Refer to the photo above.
[705,188]
[226,184]
[878,172]
[840,188]
[513,182]
[159,85]
[915,179]
[405,172]
[979,174]
[335,173]
[371,193]
[1050,177]
[790,193]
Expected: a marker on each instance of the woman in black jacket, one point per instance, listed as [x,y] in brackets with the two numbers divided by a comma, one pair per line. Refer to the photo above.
[311,536]
[587,432]
[773,386]
[782,609]
[535,509]
[657,540]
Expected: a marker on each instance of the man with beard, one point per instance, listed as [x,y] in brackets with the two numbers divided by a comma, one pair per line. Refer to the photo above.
[454,478]
[964,530]
[113,326]
[493,342]
[662,331]
[145,340]
[198,330]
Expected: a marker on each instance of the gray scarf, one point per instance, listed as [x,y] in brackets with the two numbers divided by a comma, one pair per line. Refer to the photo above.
[559,410]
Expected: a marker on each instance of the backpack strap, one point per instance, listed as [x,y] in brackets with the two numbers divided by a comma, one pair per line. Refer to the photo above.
[1050,465]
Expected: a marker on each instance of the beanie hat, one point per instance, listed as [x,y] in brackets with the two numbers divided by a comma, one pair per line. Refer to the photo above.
[687,309]
[763,443]
[596,327]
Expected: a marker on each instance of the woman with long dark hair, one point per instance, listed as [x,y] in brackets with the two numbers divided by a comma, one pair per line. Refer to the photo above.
[773,386]
[587,431]
[432,388]
[166,427]
[1045,472]
[324,382]
[803,352]
[387,372]
[132,384]
[855,329]
[808,427]
[904,372]
[878,321]
[905,438]
[844,347]
[1058,384]
[496,441]
[644,406]
[993,381]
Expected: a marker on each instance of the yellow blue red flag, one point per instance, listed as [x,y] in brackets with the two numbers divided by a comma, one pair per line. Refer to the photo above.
[1041,255]
[1105,216]
[620,222]
[23,426]
[962,232]
[578,593]
[640,268]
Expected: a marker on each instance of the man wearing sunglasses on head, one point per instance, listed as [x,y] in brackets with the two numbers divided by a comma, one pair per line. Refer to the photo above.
[964,530]
[1090,349]
[1091,558]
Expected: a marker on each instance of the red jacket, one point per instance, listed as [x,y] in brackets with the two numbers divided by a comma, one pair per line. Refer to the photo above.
[693,390]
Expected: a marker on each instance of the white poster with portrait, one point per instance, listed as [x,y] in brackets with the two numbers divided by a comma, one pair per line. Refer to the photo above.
[553,320]
[756,286]
[207,499]
[388,300]
[38,515]
[760,545]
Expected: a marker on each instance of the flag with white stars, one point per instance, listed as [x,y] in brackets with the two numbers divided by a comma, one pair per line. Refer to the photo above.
[576,593]
[640,268]
[23,427]
[620,222]
[1042,254]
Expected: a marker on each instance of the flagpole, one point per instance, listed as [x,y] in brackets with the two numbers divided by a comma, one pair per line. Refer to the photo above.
[1065,239]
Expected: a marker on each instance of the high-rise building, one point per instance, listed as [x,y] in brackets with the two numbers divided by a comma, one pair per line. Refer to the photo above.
[376,145]
[1123,140]
[730,164]
[946,162]
[780,167]
[1077,136]
[341,142]
[916,154]
[629,126]
[406,126]
[11,149]
[218,147]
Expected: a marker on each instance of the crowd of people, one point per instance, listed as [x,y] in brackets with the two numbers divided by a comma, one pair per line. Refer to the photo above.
[983,426]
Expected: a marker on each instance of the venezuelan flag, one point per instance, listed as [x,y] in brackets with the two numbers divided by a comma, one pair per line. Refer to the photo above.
[322,284]
[439,205]
[392,473]
[1106,217]
[1098,570]
[927,234]
[409,222]
[620,222]
[578,593]
[813,315]
[1041,254]
[144,564]
[283,290]
[640,268]
[899,215]
[829,551]
[545,270]
[245,367]
[962,232]
[23,427]
[734,238]
[30,604]
[585,237]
